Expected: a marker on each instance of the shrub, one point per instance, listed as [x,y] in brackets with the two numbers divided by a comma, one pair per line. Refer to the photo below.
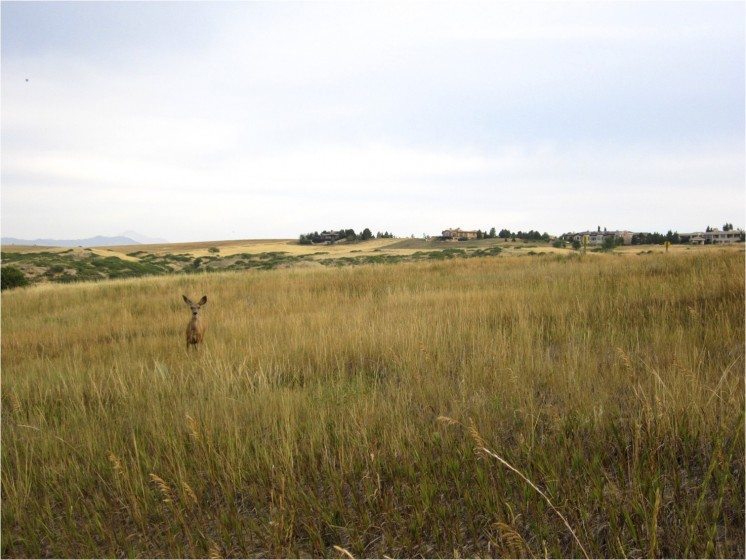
[213,250]
[11,277]
[609,243]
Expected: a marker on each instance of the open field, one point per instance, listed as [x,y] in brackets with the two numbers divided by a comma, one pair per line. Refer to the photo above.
[309,418]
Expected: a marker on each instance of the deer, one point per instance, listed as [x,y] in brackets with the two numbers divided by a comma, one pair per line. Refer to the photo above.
[195,330]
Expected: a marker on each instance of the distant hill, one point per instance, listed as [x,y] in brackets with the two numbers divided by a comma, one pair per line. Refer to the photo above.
[139,238]
[98,241]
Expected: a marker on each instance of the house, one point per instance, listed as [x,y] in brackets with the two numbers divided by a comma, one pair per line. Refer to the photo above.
[332,236]
[597,237]
[696,238]
[457,233]
[715,237]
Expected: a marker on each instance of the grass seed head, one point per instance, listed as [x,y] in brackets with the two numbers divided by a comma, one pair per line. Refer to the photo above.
[163,487]
[192,427]
[116,464]
[191,497]
[214,551]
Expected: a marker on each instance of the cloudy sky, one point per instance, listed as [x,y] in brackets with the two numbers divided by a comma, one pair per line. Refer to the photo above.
[246,120]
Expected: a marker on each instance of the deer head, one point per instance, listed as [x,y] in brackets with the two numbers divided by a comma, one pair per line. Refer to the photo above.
[195,306]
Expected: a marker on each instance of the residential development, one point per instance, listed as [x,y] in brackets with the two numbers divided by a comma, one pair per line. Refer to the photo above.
[712,237]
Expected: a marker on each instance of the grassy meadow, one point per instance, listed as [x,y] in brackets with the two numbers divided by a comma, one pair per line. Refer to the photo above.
[309,419]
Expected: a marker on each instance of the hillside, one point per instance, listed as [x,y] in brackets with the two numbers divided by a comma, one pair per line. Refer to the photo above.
[47,264]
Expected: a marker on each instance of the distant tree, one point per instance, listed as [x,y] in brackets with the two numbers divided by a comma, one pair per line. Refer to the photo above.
[609,243]
[727,227]
[366,235]
[505,233]
[558,243]
[11,277]
[545,236]
[310,238]
[708,229]
[493,233]
[480,235]
[599,229]
[576,244]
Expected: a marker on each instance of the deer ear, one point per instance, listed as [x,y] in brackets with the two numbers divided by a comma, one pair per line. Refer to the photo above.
[187,300]
[203,300]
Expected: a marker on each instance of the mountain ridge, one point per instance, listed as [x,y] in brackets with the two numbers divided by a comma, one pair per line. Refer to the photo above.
[97,241]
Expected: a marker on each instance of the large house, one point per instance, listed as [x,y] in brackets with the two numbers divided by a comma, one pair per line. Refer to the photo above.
[714,237]
[597,237]
[457,233]
[332,236]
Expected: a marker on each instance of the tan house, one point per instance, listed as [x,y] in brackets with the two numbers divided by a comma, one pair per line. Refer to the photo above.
[716,237]
[597,237]
[457,233]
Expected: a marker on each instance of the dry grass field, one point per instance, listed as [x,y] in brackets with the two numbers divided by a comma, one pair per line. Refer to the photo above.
[403,246]
[309,418]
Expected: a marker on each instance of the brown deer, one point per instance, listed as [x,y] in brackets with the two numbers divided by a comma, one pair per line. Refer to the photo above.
[195,330]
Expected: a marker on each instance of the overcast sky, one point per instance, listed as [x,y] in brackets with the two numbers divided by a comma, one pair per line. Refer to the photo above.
[194,121]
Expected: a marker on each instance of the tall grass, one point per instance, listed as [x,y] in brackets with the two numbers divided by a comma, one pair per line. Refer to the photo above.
[306,424]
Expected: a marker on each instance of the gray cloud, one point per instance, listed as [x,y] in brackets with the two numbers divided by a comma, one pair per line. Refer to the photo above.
[275,119]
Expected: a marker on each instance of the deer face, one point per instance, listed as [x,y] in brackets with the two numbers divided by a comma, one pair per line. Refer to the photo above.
[195,307]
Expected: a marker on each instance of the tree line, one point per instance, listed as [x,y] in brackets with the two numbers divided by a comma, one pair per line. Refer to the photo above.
[506,234]
[342,234]
[656,238]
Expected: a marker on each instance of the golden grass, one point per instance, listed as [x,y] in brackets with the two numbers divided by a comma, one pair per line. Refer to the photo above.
[400,247]
[306,424]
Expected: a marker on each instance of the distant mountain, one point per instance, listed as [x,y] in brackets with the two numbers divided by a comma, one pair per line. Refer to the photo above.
[98,241]
[143,238]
